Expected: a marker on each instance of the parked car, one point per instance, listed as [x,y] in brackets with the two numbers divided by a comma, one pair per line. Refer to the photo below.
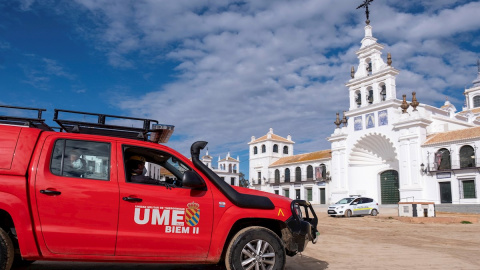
[354,206]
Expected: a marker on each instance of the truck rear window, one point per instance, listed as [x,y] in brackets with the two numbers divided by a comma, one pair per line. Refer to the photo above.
[82,159]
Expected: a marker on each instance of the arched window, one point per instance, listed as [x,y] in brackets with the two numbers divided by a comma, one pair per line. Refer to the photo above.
[309,172]
[369,66]
[255,150]
[275,148]
[370,95]
[298,174]
[383,92]
[476,101]
[285,149]
[235,168]
[358,98]
[229,167]
[467,157]
[264,149]
[323,169]
[277,176]
[287,175]
[442,159]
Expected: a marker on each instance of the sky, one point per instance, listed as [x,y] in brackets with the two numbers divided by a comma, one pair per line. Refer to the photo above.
[222,71]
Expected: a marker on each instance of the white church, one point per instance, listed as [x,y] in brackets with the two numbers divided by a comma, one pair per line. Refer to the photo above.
[228,168]
[388,149]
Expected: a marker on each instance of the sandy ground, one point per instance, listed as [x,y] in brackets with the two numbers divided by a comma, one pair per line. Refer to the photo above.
[382,242]
[389,242]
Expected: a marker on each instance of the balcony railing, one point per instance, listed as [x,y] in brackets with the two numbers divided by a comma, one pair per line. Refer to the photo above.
[454,165]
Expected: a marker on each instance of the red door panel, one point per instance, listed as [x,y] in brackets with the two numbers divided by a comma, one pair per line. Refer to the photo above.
[174,222]
[82,218]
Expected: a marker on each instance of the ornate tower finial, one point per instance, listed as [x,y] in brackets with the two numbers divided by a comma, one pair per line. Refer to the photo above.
[389,59]
[414,102]
[352,72]
[365,5]
[344,120]
[404,105]
[338,122]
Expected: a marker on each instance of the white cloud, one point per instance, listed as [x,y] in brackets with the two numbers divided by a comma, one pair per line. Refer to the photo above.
[40,71]
[247,66]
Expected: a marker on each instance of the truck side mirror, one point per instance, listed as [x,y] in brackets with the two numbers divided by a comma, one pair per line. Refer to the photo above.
[192,180]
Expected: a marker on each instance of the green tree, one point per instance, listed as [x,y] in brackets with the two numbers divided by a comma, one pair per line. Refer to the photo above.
[242,181]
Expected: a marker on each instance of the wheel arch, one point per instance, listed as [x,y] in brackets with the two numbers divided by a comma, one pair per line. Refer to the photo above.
[6,220]
[272,224]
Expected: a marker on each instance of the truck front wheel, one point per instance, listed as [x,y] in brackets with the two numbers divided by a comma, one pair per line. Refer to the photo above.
[6,251]
[255,248]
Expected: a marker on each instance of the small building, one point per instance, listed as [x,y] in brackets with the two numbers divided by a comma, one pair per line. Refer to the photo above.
[228,168]
[274,168]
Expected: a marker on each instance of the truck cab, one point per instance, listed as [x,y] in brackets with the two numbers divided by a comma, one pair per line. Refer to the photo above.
[96,191]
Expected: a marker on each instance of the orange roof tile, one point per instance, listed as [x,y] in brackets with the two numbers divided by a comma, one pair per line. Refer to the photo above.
[474,111]
[165,172]
[303,157]
[274,137]
[449,136]
[229,159]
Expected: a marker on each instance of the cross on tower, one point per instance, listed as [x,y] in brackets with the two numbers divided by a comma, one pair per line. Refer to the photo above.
[365,5]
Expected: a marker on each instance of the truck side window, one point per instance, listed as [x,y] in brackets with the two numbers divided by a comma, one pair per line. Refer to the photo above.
[82,159]
[149,166]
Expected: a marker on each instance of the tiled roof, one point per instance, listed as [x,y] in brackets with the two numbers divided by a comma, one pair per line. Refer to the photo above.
[303,157]
[274,137]
[166,172]
[449,136]
[229,159]
[474,111]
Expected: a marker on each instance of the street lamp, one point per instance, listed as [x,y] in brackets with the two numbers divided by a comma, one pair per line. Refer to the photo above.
[423,169]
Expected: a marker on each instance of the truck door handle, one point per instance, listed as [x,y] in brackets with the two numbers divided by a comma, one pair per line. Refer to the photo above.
[130,199]
[50,192]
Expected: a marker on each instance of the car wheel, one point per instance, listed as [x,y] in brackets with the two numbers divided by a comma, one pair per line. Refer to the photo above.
[255,248]
[348,213]
[374,212]
[6,251]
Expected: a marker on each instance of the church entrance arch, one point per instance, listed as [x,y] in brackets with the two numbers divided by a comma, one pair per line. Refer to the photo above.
[389,187]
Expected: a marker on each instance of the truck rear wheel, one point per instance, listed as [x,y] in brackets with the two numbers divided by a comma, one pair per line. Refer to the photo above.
[6,251]
[255,248]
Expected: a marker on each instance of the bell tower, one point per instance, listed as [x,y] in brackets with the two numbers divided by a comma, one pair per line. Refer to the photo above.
[374,80]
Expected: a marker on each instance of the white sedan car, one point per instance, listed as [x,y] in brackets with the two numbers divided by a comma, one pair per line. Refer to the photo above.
[354,206]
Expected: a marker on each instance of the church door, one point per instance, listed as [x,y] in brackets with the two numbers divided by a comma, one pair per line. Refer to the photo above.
[389,187]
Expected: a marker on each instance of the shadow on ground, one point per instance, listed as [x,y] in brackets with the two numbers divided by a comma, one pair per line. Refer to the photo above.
[293,263]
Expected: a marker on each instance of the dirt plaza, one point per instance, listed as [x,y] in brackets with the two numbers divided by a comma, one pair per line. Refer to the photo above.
[382,242]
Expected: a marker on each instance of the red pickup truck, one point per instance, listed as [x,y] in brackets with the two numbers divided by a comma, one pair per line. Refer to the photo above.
[101,191]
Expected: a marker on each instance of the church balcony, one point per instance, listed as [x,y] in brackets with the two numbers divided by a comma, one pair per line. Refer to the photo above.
[454,166]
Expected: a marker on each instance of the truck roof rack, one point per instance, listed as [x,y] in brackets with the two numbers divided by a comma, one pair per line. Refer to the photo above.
[150,130]
[22,120]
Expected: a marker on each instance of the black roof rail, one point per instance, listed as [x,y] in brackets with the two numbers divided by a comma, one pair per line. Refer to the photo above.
[25,121]
[150,129]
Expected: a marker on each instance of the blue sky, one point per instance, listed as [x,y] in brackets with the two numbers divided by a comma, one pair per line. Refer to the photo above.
[223,71]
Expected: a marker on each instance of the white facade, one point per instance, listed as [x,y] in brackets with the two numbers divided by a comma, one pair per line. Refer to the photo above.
[380,151]
[274,168]
[228,168]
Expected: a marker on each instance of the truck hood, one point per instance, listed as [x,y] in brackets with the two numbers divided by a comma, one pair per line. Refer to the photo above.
[278,200]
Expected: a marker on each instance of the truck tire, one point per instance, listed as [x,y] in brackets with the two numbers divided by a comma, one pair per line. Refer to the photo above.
[255,248]
[6,251]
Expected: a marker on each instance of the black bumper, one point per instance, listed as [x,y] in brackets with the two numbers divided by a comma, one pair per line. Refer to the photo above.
[300,230]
